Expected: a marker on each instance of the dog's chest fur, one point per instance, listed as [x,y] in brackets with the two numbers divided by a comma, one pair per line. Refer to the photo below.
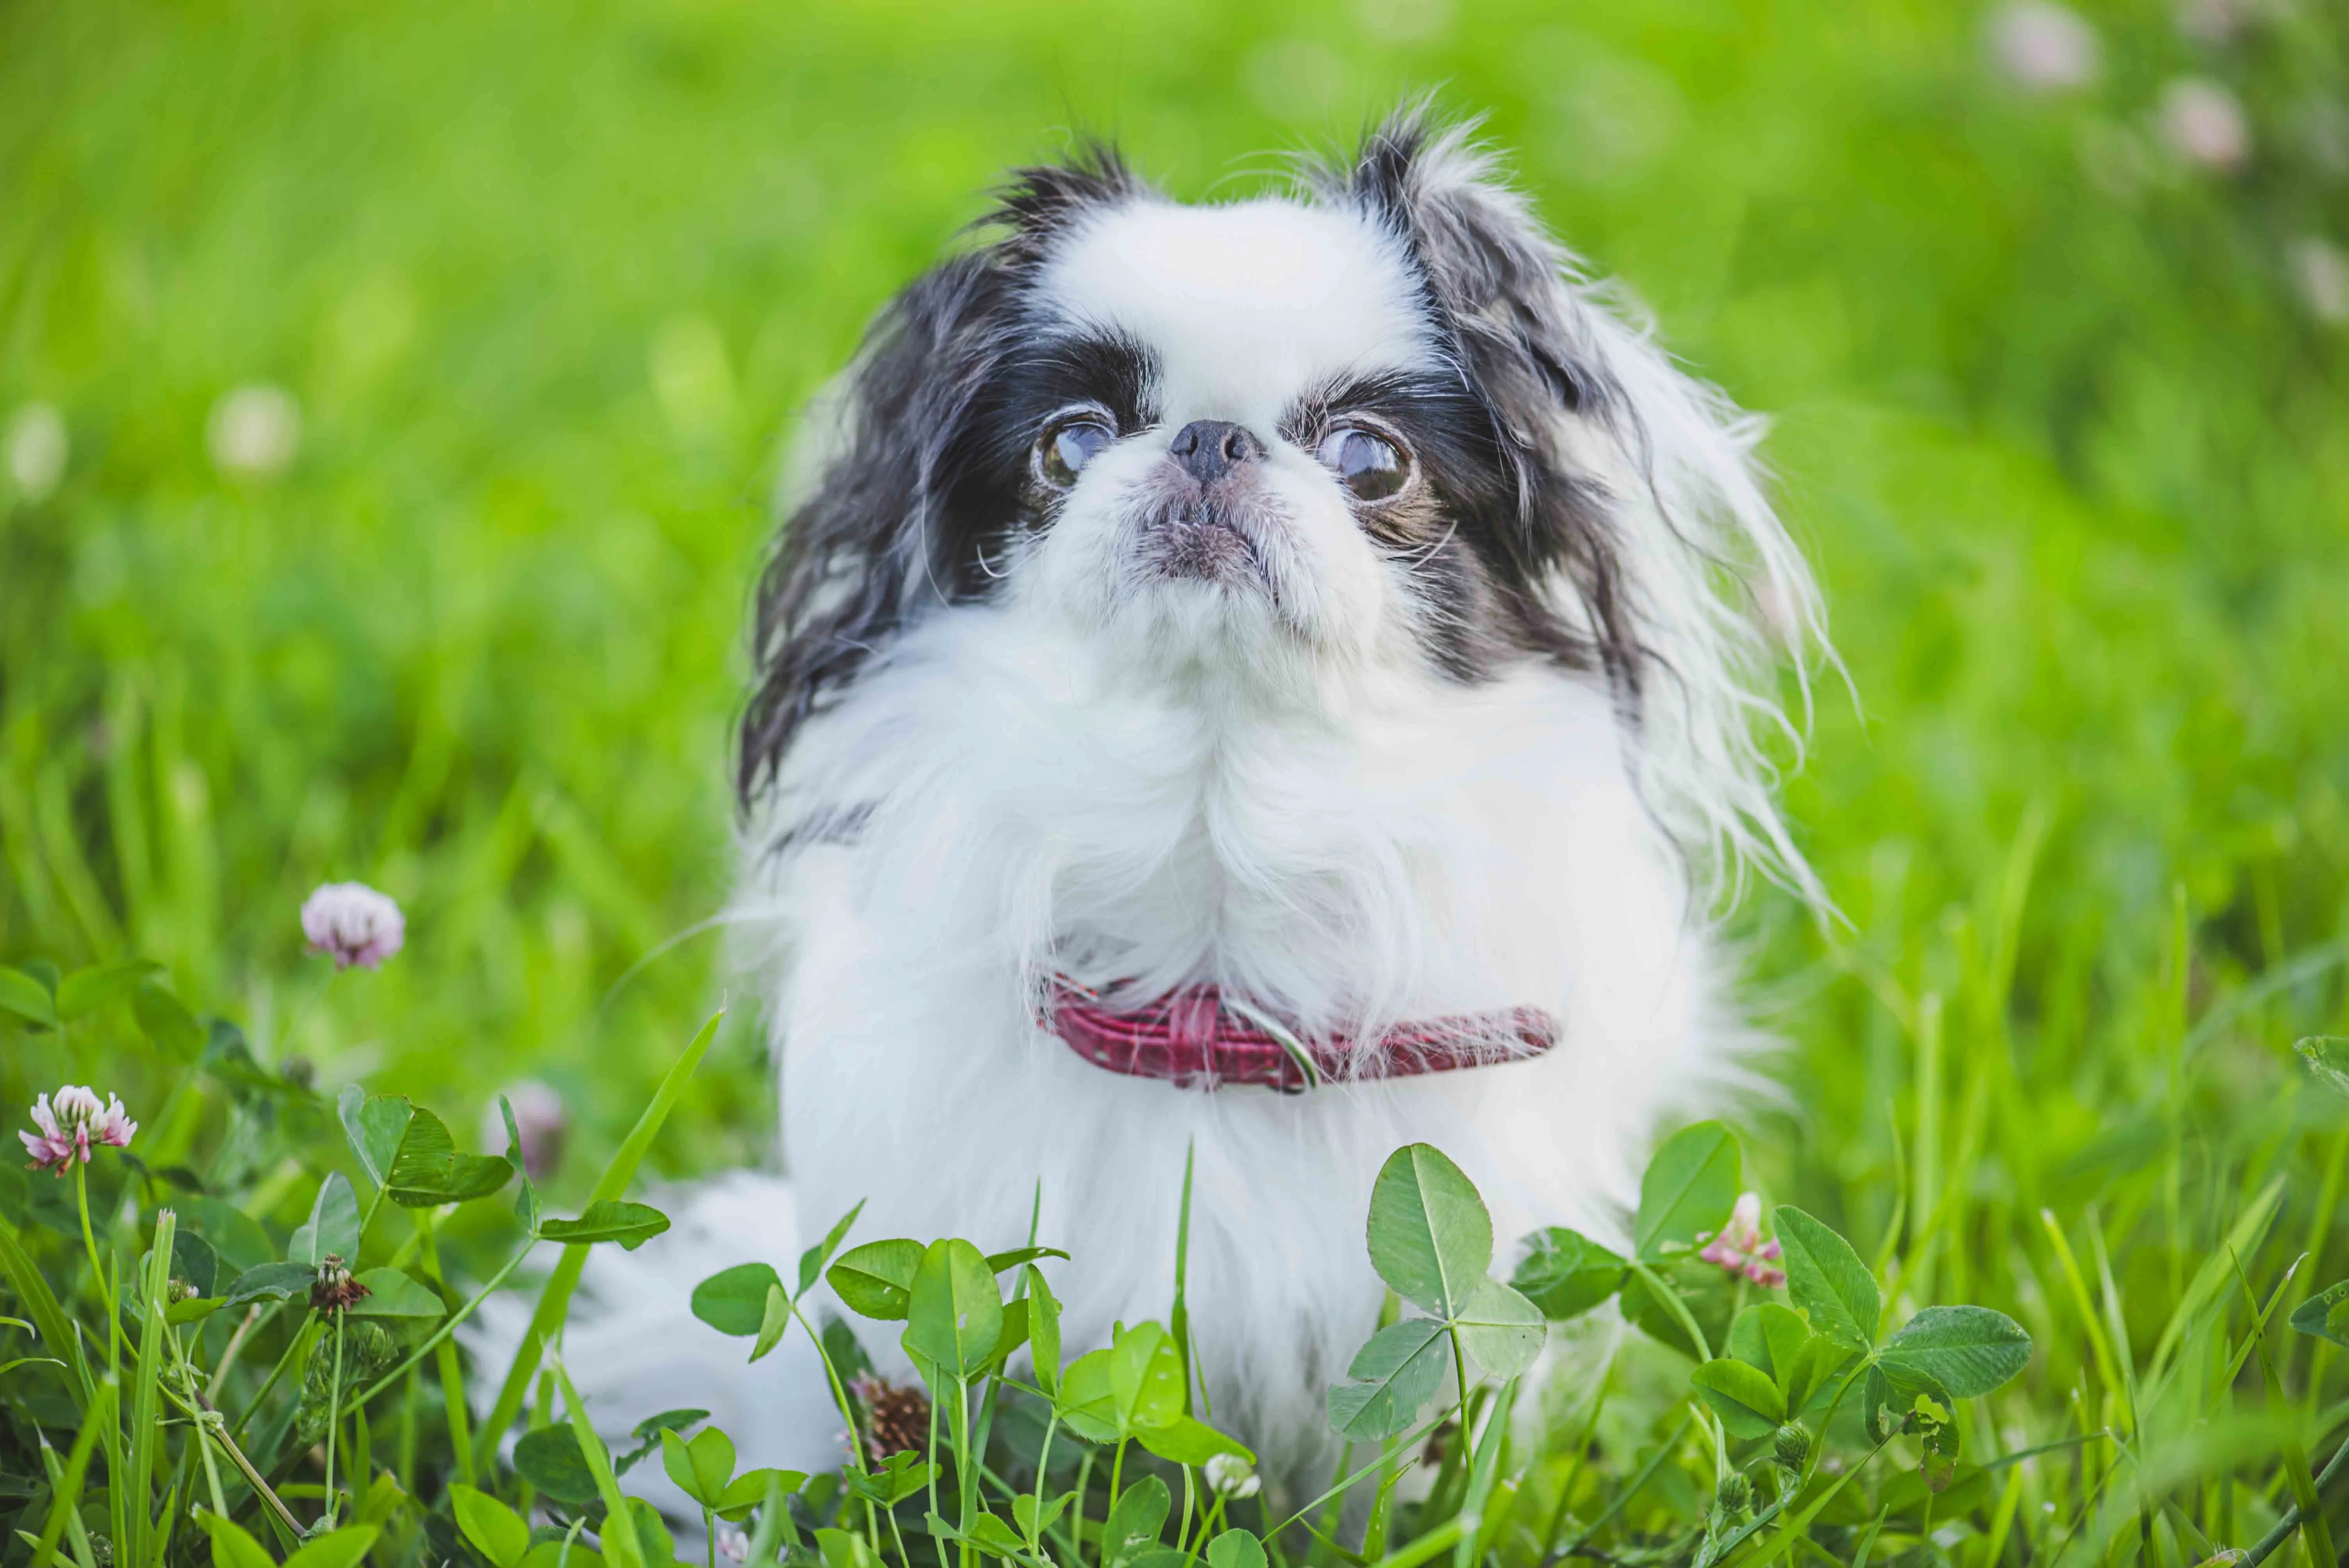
[1377,848]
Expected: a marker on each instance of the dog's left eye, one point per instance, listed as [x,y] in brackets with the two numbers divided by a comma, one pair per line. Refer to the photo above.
[1371,467]
[1068,446]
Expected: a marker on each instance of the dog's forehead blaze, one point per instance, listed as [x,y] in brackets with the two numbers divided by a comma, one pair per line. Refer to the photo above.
[1244,305]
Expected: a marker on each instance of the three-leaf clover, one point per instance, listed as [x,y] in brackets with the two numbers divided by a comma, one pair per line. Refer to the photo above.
[1431,1240]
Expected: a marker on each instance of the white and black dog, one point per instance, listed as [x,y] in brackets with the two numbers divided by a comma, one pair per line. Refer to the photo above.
[1268,682]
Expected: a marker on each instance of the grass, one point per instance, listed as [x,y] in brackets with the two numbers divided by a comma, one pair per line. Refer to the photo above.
[2052,416]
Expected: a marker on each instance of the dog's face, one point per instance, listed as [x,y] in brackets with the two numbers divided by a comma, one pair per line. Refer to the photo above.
[1243,444]
[1373,422]
[1221,426]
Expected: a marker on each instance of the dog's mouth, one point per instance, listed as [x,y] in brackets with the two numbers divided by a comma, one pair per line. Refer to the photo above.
[1229,535]
[1205,543]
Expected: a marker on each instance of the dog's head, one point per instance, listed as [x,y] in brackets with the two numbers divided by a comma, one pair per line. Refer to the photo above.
[1377,422]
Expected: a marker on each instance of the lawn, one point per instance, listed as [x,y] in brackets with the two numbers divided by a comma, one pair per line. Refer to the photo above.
[395,394]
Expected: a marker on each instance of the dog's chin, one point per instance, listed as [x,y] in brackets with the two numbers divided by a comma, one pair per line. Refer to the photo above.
[1205,585]
[1198,605]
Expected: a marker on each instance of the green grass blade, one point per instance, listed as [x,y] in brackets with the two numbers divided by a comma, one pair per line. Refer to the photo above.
[1630,1489]
[97,1416]
[1442,1537]
[48,1318]
[2290,1523]
[985,1427]
[1484,1469]
[451,1366]
[1345,1481]
[1178,1317]
[1925,1180]
[620,1545]
[147,1399]
[554,1300]
[1580,1452]
[1867,1543]
[2209,1282]
[2313,1530]
[2077,1283]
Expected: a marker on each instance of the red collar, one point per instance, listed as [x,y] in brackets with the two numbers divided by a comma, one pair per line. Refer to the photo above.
[1197,1038]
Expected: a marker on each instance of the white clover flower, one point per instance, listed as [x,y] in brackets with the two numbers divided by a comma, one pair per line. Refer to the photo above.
[2320,270]
[2221,21]
[39,447]
[254,431]
[2208,21]
[65,1128]
[2205,124]
[2043,47]
[1228,1475]
[353,923]
[541,1118]
[734,1545]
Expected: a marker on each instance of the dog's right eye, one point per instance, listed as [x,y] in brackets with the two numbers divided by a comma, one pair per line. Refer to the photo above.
[1068,446]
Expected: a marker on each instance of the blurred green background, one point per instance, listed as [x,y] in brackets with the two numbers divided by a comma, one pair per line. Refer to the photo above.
[395,394]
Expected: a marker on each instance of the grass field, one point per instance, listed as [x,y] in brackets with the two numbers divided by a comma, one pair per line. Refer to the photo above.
[2060,410]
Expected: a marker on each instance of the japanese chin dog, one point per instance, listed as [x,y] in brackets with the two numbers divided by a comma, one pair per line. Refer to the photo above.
[1255,684]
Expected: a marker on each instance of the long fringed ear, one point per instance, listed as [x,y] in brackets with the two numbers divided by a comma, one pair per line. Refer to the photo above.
[1664,552]
[856,556]
[893,502]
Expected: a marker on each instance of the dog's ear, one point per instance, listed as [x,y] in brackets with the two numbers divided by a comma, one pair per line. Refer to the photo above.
[1639,499]
[1492,270]
[1491,277]
[897,496]
[855,550]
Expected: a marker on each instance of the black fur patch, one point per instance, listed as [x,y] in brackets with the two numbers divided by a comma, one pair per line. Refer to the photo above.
[1491,284]
[1456,531]
[942,408]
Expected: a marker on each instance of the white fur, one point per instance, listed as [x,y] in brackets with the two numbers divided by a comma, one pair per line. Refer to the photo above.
[1406,855]
[1133,780]
[1246,302]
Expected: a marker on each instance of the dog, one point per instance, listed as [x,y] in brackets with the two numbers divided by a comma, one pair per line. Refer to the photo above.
[1240,688]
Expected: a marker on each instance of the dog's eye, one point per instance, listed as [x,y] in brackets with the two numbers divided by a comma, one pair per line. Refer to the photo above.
[1370,466]
[1068,446]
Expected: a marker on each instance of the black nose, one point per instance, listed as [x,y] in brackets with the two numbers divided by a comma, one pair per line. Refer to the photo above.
[1210,449]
